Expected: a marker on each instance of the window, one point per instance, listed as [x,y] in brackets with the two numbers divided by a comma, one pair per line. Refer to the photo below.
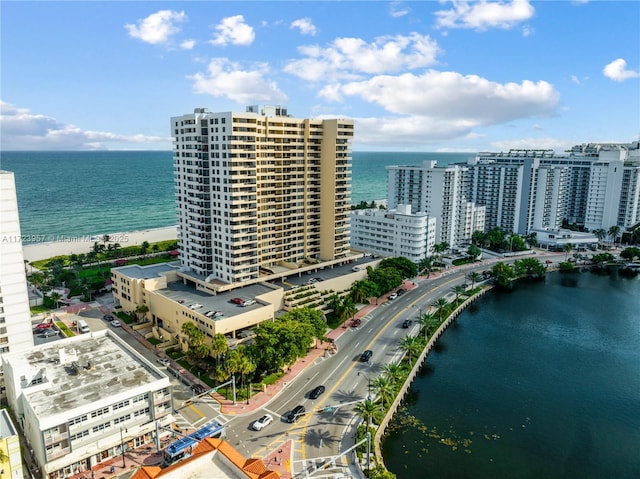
[102,427]
[100,412]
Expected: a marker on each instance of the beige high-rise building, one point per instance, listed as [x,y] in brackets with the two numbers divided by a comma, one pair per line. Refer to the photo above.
[260,191]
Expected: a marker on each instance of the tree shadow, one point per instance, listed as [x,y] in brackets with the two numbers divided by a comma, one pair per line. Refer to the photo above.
[316,437]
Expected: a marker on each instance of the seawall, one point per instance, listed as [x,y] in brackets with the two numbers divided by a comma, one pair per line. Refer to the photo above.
[377,440]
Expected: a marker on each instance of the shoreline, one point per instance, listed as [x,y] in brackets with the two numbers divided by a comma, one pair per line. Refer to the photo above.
[68,245]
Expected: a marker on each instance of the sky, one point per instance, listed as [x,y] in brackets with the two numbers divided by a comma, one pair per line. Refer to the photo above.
[441,76]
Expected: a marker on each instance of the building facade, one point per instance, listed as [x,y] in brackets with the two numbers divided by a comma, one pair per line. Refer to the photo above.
[260,189]
[440,192]
[15,315]
[81,400]
[11,462]
[393,233]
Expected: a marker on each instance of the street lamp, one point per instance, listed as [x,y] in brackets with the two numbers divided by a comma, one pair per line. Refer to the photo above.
[368,423]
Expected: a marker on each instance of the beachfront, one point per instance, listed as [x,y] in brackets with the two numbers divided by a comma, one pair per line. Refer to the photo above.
[67,245]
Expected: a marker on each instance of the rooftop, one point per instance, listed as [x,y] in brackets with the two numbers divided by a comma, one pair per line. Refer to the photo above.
[146,272]
[79,371]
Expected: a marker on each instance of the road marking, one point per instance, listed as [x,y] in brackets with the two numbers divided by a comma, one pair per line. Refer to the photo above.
[196,410]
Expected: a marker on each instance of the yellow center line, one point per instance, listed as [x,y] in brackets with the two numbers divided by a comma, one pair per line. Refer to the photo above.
[196,410]
[375,338]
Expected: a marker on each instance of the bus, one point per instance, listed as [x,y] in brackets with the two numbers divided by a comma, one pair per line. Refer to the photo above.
[183,447]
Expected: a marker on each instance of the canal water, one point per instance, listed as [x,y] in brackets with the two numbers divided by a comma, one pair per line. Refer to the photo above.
[540,382]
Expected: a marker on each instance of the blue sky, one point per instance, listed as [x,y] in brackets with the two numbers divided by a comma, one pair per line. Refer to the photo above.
[415,76]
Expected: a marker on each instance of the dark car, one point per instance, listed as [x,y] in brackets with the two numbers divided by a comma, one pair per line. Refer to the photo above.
[406,323]
[366,356]
[108,317]
[237,300]
[50,332]
[316,392]
[295,413]
[400,292]
[356,322]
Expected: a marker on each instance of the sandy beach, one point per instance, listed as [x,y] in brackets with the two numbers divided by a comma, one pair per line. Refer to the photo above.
[66,245]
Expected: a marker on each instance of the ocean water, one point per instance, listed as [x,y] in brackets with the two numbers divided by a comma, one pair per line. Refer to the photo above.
[96,192]
[542,382]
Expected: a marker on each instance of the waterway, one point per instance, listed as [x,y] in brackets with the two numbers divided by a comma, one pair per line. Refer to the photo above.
[540,382]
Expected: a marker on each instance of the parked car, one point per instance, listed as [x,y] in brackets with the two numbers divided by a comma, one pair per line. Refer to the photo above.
[237,300]
[50,332]
[355,268]
[116,323]
[248,302]
[108,317]
[42,326]
[406,323]
[295,413]
[393,295]
[356,322]
[163,361]
[263,422]
[366,356]
[316,392]
[400,292]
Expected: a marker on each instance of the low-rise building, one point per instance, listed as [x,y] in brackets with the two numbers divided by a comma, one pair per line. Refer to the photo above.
[10,459]
[558,239]
[81,400]
[213,459]
[396,232]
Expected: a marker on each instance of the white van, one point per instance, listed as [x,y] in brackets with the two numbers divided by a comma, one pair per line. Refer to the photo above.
[83,327]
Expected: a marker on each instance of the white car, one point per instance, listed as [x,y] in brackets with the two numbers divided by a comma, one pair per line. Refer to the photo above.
[393,296]
[263,422]
[248,302]
[115,323]
[163,361]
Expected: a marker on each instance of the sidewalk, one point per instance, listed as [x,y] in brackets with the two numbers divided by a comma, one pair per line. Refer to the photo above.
[323,349]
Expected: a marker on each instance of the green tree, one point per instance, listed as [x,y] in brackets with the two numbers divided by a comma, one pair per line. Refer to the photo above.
[144,249]
[219,347]
[141,311]
[393,372]
[383,388]
[425,265]
[404,266]
[614,232]
[410,346]
[386,279]
[479,238]
[427,321]
[474,277]
[196,340]
[503,274]
[55,298]
[474,252]
[458,290]
[630,253]
[600,233]
[440,304]
[367,410]
[568,248]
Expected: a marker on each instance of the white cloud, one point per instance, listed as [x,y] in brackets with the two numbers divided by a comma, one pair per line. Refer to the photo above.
[345,58]
[187,44]
[233,30]
[397,9]
[409,131]
[226,79]
[305,25]
[451,96]
[555,144]
[617,71]
[527,31]
[483,15]
[23,130]
[157,27]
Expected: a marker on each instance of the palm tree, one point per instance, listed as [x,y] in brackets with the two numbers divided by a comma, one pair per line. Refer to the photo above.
[392,371]
[410,346]
[219,347]
[458,289]
[55,297]
[425,265]
[614,232]
[383,388]
[144,247]
[141,310]
[348,309]
[600,233]
[426,320]
[567,249]
[440,304]
[474,277]
[367,409]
